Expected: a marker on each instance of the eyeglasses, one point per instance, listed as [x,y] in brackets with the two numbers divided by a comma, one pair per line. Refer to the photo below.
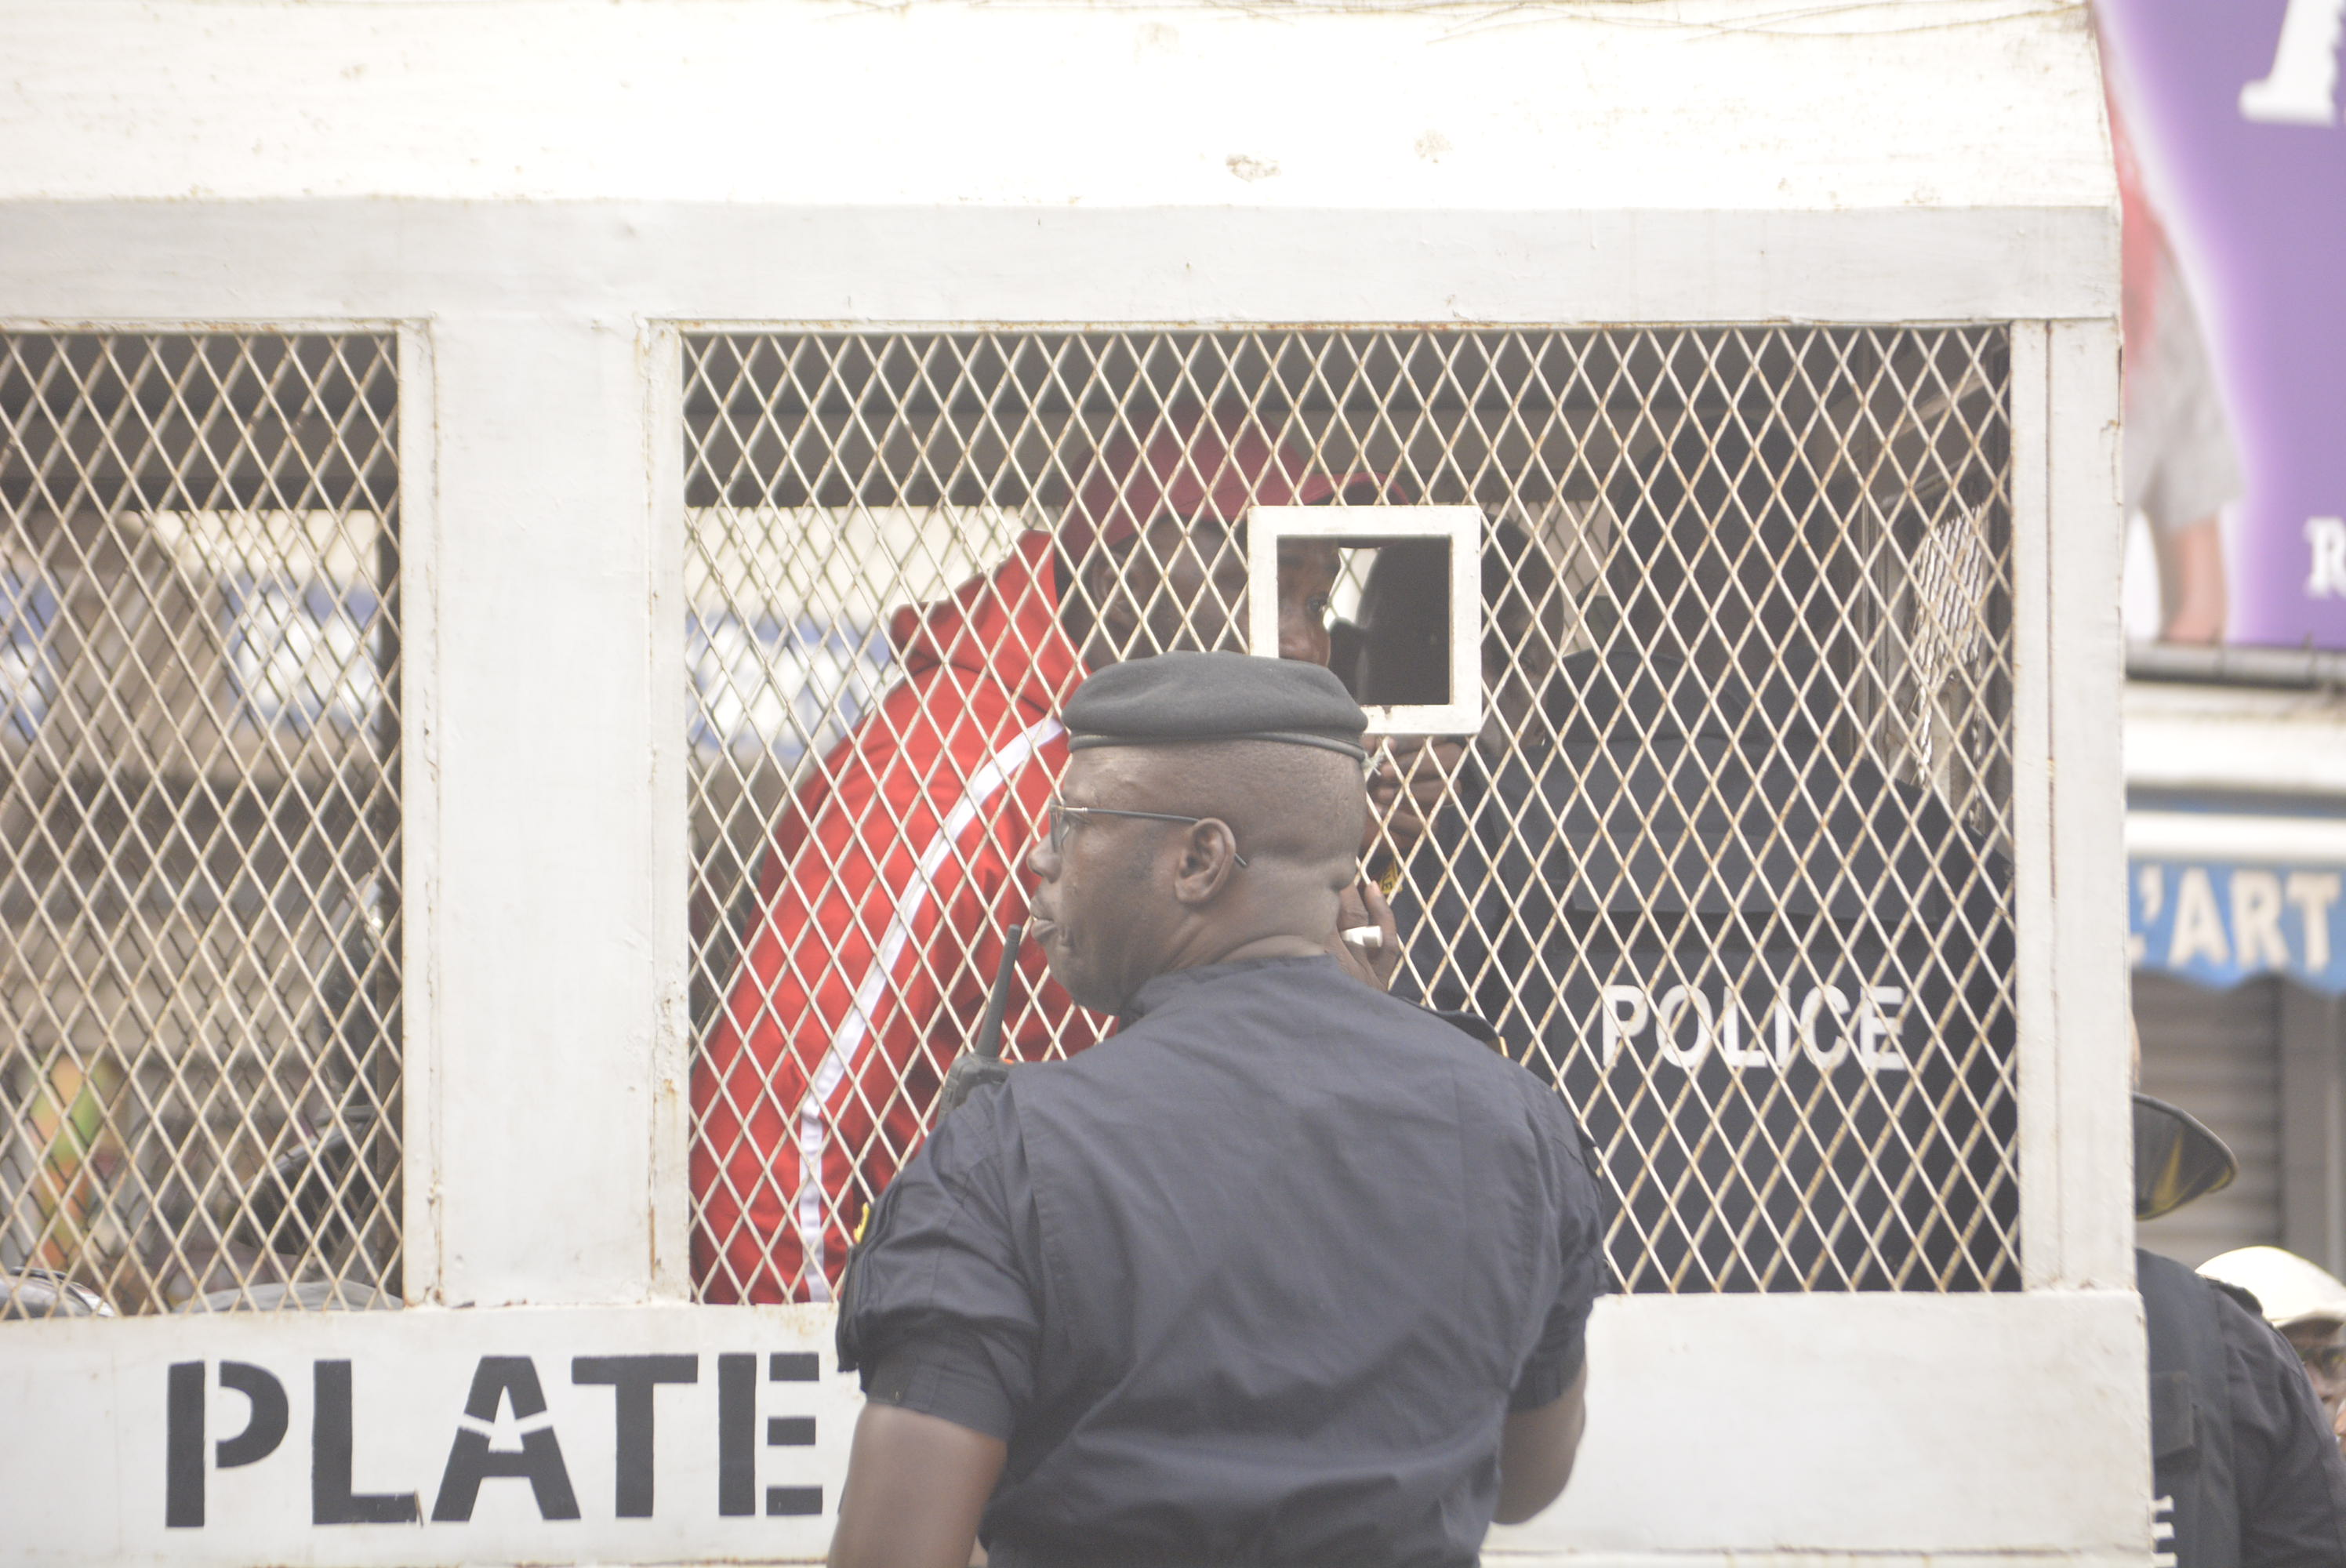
[1060,813]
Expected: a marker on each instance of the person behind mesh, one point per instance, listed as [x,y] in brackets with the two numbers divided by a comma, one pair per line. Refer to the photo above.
[896,864]
[1666,889]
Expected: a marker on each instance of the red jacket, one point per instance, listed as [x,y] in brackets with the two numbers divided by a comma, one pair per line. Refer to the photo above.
[895,867]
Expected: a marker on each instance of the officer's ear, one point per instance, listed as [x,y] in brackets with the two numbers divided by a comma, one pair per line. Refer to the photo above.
[1209,858]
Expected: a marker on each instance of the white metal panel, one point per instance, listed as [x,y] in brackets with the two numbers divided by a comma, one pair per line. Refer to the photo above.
[713,263]
[551,421]
[94,1489]
[419,512]
[1743,1434]
[2088,956]
[1790,1422]
[2230,836]
[549,984]
[671,848]
[2037,1041]
[1692,105]
[2233,739]
[2070,866]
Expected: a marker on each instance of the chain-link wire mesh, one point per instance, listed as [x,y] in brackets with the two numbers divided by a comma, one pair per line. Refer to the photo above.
[199,826]
[1728,860]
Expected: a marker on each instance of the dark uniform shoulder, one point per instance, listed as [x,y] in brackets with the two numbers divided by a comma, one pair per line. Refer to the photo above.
[2239,1443]
[2290,1475]
[1293,1019]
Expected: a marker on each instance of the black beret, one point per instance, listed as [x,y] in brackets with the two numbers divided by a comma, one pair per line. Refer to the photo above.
[1177,697]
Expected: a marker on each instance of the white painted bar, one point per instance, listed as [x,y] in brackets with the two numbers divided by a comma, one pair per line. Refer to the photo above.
[2070,814]
[550,986]
[2265,742]
[419,685]
[2037,1039]
[670,1205]
[2228,836]
[709,263]
[2087,960]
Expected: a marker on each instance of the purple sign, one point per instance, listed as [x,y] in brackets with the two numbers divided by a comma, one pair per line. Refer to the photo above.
[2232,155]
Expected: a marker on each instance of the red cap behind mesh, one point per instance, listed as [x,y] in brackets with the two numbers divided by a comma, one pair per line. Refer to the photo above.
[1193,465]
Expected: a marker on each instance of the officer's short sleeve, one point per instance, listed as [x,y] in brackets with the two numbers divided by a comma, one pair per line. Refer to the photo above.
[1556,1360]
[940,1311]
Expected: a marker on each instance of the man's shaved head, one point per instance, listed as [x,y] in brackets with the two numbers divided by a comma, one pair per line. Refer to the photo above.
[1298,804]
[1123,900]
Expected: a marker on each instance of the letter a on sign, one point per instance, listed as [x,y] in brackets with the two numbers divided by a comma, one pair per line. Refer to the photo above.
[470,1460]
[2198,926]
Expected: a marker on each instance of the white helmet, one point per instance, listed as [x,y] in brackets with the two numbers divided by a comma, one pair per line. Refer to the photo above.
[2292,1289]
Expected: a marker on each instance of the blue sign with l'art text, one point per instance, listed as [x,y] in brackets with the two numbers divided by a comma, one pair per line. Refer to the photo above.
[2218,924]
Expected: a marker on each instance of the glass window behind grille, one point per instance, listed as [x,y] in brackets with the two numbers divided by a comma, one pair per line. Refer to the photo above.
[199,906]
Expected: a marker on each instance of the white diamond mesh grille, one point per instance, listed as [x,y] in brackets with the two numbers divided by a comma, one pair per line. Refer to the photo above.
[1729,861]
[200,853]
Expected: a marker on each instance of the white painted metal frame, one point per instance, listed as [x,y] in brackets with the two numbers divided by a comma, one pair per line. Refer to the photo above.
[1459,526]
[669,1201]
[421,1257]
[179,1168]
[2069,879]
[540,271]
[493,1010]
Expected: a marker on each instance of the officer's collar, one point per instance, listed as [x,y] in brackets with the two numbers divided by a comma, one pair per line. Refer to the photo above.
[1155,995]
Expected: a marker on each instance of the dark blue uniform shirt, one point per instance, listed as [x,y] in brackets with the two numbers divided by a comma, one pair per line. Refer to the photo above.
[1254,1281]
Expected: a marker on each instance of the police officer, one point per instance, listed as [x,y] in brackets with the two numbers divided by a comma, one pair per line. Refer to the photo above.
[2245,1471]
[1285,1271]
[2307,1304]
